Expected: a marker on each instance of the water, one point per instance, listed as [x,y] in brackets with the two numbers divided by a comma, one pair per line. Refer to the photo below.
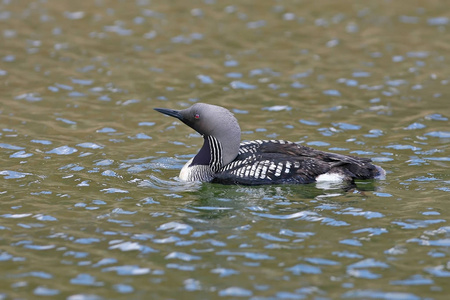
[90,204]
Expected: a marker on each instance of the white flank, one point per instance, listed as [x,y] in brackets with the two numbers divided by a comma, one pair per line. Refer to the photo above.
[330,177]
[185,172]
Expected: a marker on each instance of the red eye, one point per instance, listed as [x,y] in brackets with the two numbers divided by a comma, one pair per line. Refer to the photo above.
[197,116]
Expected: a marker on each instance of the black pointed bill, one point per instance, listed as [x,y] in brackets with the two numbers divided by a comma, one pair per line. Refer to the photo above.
[170,112]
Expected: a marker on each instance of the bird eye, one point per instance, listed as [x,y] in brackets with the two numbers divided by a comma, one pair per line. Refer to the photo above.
[197,116]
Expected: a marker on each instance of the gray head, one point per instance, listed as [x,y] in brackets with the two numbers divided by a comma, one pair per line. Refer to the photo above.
[211,120]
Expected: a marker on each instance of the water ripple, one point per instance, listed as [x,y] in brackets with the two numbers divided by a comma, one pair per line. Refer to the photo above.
[8,174]
[182,256]
[176,227]
[223,272]
[242,85]
[63,150]
[10,147]
[250,255]
[304,269]
[235,292]
[127,270]
[413,280]
[132,246]
[44,291]
[376,294]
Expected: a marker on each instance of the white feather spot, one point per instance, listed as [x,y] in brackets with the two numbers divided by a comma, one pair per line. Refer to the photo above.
[279,169]
[263,173]
[247,172]
[252,173]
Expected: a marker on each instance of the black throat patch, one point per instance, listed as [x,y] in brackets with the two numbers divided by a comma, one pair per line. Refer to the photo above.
[203,157]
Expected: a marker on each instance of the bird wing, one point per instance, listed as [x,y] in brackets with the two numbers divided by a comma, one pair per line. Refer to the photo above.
[279,161]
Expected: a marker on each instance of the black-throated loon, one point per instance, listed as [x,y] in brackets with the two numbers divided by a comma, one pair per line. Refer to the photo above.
[224,159]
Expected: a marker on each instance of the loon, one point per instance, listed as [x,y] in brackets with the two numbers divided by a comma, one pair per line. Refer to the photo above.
[224,159]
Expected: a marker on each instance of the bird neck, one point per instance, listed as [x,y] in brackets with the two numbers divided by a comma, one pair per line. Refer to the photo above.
[210,154]
[210,159]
